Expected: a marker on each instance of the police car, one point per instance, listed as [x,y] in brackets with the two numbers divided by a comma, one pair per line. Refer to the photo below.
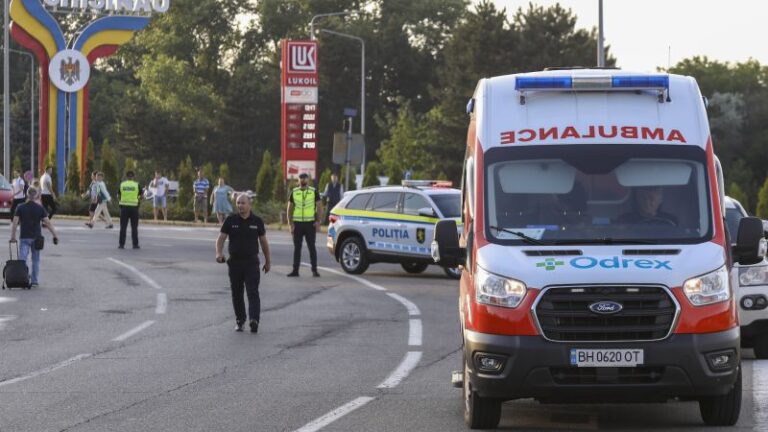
[750,282]
[391,224]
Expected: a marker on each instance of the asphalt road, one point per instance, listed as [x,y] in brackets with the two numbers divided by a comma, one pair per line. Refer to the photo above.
[143,340]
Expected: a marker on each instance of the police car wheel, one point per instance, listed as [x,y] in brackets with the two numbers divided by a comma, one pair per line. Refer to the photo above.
[452,272]
[414,268]
[352,256]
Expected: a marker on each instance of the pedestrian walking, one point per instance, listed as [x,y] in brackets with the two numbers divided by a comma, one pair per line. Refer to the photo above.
[18,188]
[332,195]
[201,186]
[29,216]
[304,209]
[159,187]
[246,232]
[90,196]
[129,194]
[46,192]
[102,199]
[220,200]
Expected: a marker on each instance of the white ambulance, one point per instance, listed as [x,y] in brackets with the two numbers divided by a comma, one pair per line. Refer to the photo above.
[596,259]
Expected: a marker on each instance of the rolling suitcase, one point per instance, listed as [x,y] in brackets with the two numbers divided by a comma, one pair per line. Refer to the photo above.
[15,272]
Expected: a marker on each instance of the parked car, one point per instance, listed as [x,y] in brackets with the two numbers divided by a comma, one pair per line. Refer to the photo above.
[750,283]
[6,198]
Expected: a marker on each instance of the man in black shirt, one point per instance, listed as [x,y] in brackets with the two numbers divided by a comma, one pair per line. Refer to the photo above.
[245,231]
[29,216]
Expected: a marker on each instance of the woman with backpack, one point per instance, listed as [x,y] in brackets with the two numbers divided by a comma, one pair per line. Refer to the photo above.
[102,199]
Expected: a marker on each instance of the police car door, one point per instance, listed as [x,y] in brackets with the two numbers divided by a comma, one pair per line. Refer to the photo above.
[420,227]
[387,230]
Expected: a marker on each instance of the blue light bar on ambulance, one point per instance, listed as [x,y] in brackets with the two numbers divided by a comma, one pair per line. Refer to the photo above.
[594,82]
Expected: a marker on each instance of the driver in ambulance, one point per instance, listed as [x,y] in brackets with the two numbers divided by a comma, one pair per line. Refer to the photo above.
[646,205]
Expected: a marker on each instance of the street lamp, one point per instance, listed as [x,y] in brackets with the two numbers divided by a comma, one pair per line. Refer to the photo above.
[323,15]
[362,84]
[6,91]
[31,107]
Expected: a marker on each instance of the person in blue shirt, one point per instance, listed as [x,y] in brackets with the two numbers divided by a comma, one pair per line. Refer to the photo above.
[201,186]
[29,216]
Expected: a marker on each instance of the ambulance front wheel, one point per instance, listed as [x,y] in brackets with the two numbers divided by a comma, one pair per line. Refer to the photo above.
[352,256]
[414,268]
[452,272]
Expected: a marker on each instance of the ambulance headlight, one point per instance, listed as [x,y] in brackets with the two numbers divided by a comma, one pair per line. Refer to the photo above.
[753,275]
[496,290]
[709,288]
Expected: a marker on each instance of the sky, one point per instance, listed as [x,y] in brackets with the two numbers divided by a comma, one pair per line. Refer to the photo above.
[640,33]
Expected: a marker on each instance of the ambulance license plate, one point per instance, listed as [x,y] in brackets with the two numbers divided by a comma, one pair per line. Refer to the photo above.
[609,357]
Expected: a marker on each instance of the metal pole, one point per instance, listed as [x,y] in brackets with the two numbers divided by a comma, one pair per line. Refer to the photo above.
[600,39]
[6,93]
[32,114]
[349,153]
[362,103]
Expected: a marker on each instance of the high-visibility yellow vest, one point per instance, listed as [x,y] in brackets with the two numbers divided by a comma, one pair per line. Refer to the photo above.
[129,193]
[304,208]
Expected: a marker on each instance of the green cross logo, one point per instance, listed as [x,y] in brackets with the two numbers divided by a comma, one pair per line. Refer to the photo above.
[550,264]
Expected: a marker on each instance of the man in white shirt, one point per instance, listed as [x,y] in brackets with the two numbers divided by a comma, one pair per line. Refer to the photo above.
[47,195]
[19,193]
[159,185]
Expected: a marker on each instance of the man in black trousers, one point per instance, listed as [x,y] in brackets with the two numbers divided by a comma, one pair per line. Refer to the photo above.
[130,193]
[304,209]
[245,231]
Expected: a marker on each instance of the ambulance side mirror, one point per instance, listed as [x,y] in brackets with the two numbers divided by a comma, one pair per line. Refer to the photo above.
[445,245]
[751,244]
[427,212]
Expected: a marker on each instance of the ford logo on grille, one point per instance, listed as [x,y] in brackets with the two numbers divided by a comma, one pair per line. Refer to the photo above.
[606,307]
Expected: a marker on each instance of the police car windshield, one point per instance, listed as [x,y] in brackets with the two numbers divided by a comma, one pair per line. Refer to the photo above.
[449,204]
[579,193]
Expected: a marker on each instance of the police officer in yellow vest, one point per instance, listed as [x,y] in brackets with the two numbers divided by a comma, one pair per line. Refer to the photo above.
[304,209]
[129,194]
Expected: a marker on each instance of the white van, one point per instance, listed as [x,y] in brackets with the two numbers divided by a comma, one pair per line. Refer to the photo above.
[595,255]
[751,286]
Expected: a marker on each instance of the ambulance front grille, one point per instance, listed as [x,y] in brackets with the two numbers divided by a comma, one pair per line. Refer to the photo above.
[563,313]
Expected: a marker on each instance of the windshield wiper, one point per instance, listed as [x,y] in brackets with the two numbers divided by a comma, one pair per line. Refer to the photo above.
[605,240]
[525,238]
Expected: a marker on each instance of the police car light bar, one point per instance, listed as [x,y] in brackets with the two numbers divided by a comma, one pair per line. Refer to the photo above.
[657,82]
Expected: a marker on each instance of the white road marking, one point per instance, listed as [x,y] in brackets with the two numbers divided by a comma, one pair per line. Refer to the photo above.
[144,277]
[414,333]
[353,277]
[410,361]
[6,318]
[162,303]
[44,371]
[7,299]
[760,394]
[133,331]
[413,310]
[321,422]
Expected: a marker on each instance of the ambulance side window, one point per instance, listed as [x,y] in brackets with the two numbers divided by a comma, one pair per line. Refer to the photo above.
[385,202]
[413,202]
[358,202]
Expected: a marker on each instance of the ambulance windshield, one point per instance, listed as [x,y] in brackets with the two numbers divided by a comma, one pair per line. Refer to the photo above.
[598,194]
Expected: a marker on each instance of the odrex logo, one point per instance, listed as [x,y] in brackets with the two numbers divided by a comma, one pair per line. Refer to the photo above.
[587,262]
[550,264]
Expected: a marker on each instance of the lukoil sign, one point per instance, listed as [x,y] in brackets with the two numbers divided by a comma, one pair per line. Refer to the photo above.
[588,262]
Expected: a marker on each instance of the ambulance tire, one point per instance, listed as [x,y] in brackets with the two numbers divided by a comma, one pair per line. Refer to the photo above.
[479,412]
[352,255]
[452,272]
[722,410]
[761,346]
[414,268]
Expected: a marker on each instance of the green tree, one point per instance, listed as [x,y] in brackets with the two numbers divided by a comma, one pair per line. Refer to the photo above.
[371,176]
[735,192]
[17,164]
[90,163]
[208,173]
[186,178]
[762,201]
[224,172]
[265,178]
[109,168]
[130,165]
[73,174]
[325,178]
[279,191]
